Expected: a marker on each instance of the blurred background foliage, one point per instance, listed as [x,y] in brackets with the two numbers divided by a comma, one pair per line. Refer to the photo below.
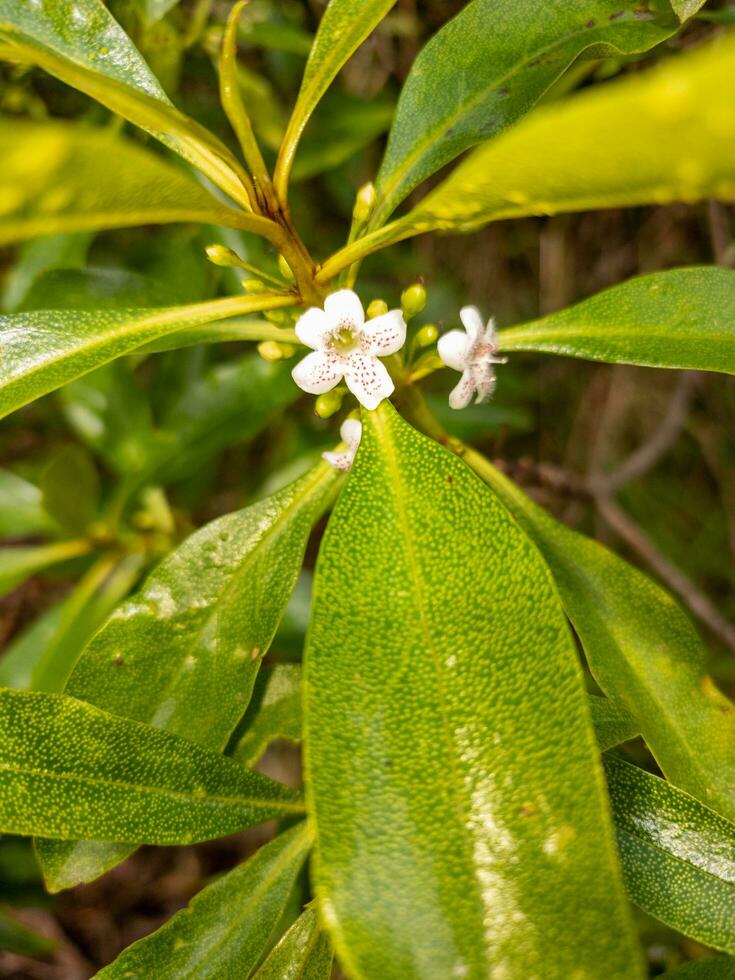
[100,480]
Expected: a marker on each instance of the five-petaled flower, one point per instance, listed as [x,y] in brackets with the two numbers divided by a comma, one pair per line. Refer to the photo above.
[471,351]
[351,432]
[345,345]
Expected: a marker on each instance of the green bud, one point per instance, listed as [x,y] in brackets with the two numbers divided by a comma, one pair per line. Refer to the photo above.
[254,286]
[364,203]
[377,308]
[221,255]
[427,335]
[270,350]
[285,269]
[279,317]
[413,300]
[329,403]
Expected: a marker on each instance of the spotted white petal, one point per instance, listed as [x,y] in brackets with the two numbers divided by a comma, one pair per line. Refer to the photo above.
[461,395]
[368,380]
[340,460]
[351,432]
[385,334]
[484,382]
[318,372]
[490,336]
[473,323]
[313,328]
[344,309]
[454,349]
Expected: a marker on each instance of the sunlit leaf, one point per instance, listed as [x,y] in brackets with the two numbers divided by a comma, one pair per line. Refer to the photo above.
[225,928]
[682,318]
[69,770]
[431,611]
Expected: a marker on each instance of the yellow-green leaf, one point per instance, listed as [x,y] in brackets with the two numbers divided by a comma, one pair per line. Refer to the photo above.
[451,768]
[304,953]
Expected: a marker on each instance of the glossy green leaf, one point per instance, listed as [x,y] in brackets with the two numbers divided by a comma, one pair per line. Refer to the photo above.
[642,651]
[184,652]
[19,563]
[612,723]
[45,350]
[431,610]
[71,489]
[69,770]
[683,318]
[304,953]
[21,507]
[79,42]
[51,181]
[678,856]
[274,712]
[16,938]
[225,928]
[342,29]
[487,67]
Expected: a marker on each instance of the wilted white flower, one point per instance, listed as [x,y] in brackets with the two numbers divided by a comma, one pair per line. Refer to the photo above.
[347,346]
[351,432]
[471,351]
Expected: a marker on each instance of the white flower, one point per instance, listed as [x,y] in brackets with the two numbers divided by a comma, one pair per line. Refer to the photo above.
[471,351]
[351,432]
[345,346]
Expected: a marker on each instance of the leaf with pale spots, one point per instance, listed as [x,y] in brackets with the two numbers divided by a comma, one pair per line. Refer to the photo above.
[428,594]
[678,856]
[225,928]
[184,652]
[69,770]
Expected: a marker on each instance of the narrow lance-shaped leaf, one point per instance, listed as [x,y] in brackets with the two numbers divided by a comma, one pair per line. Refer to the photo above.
[641,140]
[52,181]
[44,350]
[16,938]
[274,713]
[19,563]
[183,653]
[682,318]
[612,723]
[642,650]
[81,43]
[431,611]
[678,856]
[69,770]
[344,26]
[304,953]
[487,67]
[225,928]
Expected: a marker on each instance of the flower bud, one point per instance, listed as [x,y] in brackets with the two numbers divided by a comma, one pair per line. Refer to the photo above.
[364,203]
[221,255]
[279,317]
[254,286]
[329,403]
[377,308]
[270,350]
[285,269]
[413,300]
[427,335]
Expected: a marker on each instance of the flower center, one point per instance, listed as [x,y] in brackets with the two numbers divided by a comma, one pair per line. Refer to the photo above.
[345,338]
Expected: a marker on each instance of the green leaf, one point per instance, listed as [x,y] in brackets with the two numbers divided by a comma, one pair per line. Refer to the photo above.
[19,563]
[343,28]
[20,657]
[45,350]
[641,649]
[682,318]
[617,145]
[687,8]
[612,723]
[69,770]
[16,938]
[487,67]
[458,807]
[717,968]
[79,42]
[678,856]
[184,652]
[71,489]
[38,257]
[52,181]
[304,953]
[225,928]
[273,713]
[21,507]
